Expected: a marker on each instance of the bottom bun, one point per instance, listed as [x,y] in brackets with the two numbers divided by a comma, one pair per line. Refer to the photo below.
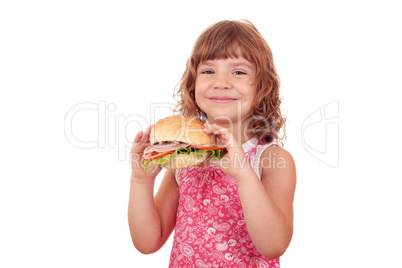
[183,161]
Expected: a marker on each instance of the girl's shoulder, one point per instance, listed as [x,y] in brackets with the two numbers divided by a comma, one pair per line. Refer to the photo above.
[257,149]
[275,152]
[272,155]
[276,159]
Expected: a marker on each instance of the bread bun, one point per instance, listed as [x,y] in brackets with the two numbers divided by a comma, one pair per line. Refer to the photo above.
[180,128]
[184,160]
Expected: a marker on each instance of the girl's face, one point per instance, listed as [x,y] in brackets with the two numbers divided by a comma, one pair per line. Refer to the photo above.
[225,90]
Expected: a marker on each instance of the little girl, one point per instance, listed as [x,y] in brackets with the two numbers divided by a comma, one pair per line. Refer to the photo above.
[238,211]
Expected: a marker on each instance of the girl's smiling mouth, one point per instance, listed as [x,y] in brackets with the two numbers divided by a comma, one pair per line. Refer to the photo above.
[219,99]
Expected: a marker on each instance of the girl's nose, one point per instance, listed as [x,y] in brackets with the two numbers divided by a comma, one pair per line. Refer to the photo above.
[222,82]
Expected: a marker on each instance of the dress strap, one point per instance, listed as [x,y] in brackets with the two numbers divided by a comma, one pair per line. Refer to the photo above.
[177,176]
[256,153]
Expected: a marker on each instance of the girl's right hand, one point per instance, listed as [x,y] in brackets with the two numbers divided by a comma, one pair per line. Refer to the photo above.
[141,141]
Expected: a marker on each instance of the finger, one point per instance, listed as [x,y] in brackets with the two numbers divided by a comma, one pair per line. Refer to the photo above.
[215,129]
[220,131]
[138,137]
[223,134]
[148,130]
[208,128]
[145,137]
[139,141]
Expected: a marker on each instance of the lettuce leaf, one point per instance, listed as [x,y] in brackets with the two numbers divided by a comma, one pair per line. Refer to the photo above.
[215,154]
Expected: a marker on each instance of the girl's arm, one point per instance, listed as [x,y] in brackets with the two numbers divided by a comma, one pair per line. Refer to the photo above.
[151,219]
[267,203]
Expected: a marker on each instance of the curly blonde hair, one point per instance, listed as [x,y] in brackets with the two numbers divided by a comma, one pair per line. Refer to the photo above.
[224,40]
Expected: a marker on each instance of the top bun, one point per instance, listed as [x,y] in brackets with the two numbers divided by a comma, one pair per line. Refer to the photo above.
[180,128]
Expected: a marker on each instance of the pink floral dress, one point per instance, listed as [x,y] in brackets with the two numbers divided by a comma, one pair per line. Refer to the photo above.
[210,227]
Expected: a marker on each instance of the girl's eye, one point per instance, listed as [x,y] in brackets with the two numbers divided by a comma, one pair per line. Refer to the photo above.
[239,72]
[207,72]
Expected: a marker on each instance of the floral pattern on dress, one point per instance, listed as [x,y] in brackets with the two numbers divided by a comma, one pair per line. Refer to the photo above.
[210,227]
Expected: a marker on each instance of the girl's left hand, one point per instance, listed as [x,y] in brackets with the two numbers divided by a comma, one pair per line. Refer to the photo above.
[235,160]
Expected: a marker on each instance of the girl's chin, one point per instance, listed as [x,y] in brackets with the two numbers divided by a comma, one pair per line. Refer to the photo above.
[227,120]
[224,120]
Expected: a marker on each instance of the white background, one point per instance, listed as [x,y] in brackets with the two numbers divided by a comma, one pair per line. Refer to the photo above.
[65,206]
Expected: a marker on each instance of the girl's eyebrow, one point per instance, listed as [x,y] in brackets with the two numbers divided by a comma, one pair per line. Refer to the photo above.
[206,63]
[235,63]
[243,64]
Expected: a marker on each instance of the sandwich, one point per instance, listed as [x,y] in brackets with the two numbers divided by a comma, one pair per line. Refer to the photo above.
[179,141]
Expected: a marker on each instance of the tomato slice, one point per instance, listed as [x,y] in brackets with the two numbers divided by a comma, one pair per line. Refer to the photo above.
[154,155]
[202,147]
